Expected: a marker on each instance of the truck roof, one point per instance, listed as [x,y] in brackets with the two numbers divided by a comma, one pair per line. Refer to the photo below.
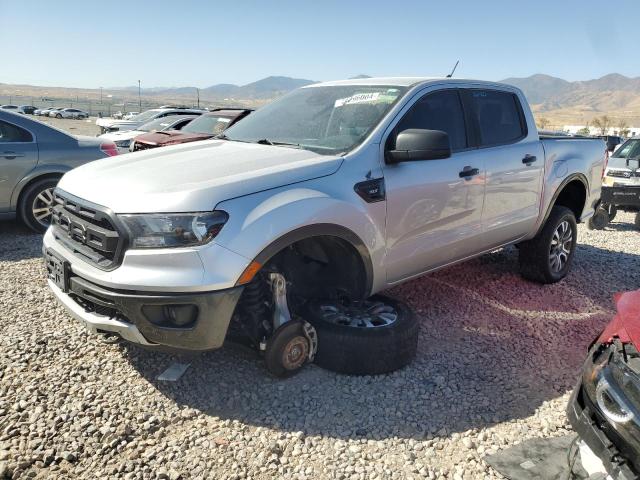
[400,81]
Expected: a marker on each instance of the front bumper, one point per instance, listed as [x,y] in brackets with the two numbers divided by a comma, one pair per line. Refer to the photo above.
[596,432]
[622,196]
[141,317]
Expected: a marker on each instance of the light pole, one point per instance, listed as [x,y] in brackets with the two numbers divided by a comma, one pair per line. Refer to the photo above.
[139,98]
[198,95]
[100,95]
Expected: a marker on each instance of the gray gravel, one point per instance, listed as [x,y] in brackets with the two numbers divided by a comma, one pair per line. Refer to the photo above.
[497,359]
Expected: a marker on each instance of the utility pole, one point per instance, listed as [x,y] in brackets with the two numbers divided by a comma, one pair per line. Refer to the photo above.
[100,95]
[198,95]
[139,98]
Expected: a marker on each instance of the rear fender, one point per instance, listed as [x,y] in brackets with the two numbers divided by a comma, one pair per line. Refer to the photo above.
[37,172]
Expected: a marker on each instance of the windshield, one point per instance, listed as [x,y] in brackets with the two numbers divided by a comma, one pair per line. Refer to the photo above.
[159,124]
[144,116]
[326,120]
[208,124]
[629,149]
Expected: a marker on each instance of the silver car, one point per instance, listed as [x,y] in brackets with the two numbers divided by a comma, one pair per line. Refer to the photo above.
[281,228]
[33,157]
[71,113]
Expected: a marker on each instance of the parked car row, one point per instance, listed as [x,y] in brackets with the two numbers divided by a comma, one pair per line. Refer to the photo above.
[24,109]
[113,125]
[176,128]
[58,112]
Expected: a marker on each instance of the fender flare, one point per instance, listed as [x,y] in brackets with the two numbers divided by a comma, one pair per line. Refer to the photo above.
[317,230]
[34,174]
[574,176]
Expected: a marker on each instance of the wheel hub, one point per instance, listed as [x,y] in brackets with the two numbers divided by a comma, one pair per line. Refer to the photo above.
[41,207]
[561,245]
[359,314]
[295,353]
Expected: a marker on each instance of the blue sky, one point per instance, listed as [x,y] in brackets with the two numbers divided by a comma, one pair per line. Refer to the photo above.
[200,43]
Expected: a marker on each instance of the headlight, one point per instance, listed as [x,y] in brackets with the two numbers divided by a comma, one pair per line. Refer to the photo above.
[165,230]
[122,143]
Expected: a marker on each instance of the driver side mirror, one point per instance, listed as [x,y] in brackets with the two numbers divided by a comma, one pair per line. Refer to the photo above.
[419,144]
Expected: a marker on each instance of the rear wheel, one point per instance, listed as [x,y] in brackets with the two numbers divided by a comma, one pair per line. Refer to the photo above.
[367,337]
[548,256]
[58,115]
[36,203]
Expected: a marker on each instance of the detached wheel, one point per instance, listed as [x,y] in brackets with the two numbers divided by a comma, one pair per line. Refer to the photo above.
[287,350]
[368,337]
[548,256]
[612,210]
[35,205]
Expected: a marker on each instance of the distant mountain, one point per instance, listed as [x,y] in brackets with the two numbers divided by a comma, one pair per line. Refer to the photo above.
[614,95]
[267,88]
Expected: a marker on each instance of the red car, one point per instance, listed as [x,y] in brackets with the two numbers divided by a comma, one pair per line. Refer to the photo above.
[605,407]
[202,128]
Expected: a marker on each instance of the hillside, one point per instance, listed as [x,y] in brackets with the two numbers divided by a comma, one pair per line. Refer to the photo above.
[578,102]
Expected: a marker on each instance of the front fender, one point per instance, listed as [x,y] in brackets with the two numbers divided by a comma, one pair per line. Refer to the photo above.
[38,171]
[262,224]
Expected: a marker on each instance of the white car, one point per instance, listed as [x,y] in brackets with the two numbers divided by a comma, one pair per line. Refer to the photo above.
[12,108]
[110,125]
[130,115]
[124,138]
[70,113]
[53,111]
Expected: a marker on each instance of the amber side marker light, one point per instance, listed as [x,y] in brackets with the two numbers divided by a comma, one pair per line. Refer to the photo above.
[249,272]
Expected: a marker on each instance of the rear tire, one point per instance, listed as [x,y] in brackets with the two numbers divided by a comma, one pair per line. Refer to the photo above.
[34,200]
[364,350]
[58,116]
[547,257]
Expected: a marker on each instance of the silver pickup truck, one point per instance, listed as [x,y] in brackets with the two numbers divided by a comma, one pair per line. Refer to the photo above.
[282,230]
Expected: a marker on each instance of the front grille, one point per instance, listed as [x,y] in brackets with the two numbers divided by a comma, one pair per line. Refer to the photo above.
[87,230]
[623,174]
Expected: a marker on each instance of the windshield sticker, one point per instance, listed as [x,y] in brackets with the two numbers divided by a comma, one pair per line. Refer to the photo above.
[357,98]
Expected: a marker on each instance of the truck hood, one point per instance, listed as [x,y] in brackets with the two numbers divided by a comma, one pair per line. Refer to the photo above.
[171,137]
[121,135]
[626,323]
[192,177]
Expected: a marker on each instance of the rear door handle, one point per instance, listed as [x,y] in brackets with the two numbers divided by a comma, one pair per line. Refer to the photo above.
[529,159]
[468,172]
[11,155]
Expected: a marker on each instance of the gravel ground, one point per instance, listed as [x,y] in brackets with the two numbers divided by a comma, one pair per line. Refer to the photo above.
[75,127]
[498,357]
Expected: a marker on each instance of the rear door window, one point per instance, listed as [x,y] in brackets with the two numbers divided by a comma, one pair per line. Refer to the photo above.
[441,110]
[10,133]
[499,117]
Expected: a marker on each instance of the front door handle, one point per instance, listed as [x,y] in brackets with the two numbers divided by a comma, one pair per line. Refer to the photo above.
[11,155]
[529,159]
[468,172]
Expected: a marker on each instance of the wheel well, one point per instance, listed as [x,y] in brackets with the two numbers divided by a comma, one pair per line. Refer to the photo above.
[31,182]
[573,196]
[322,266]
